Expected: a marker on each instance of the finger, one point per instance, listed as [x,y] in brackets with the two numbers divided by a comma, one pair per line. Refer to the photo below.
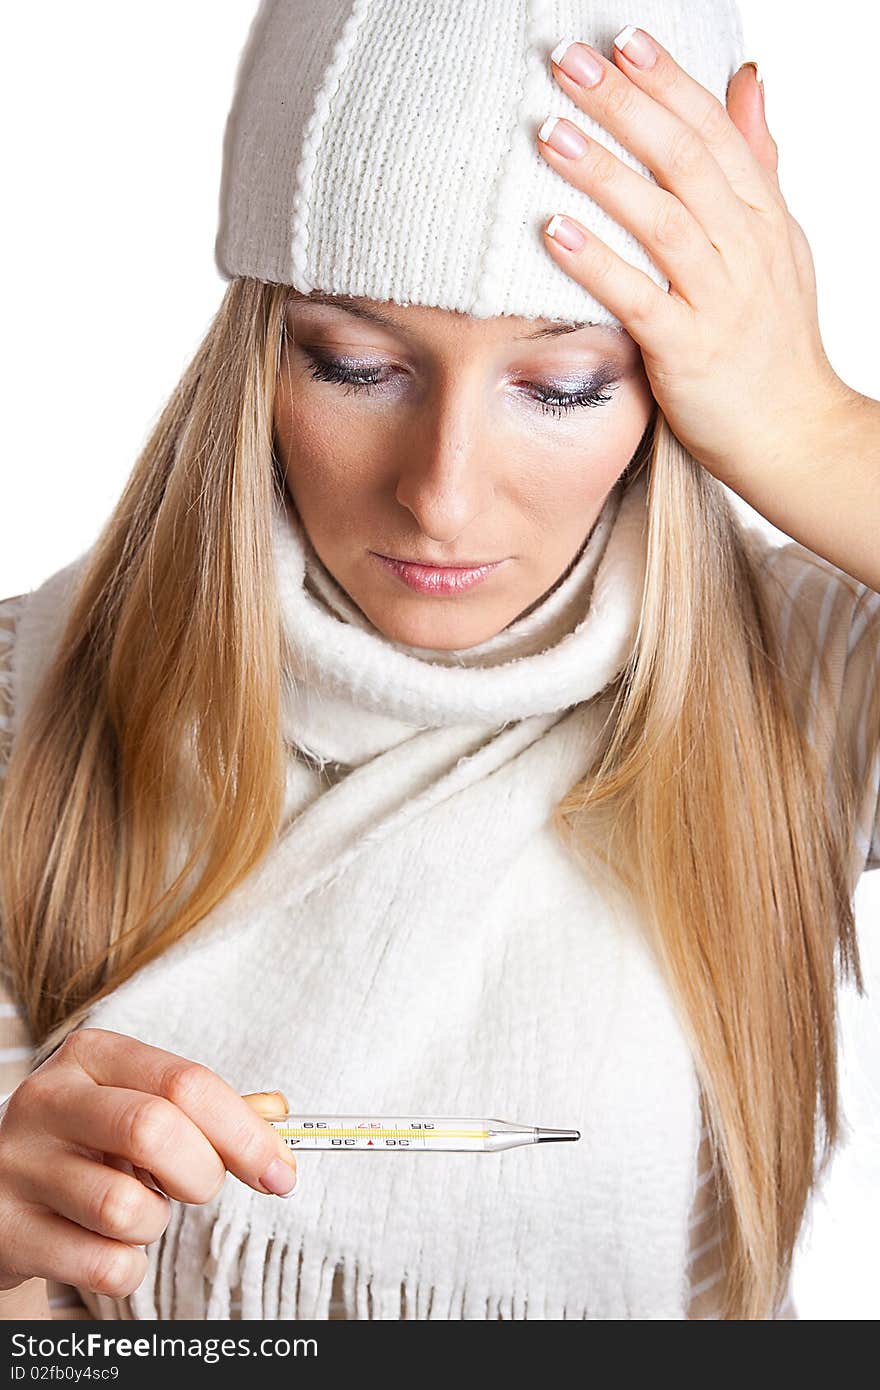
[147,1178]
[97,1197]
[246,1145]
[663,225]
[702,112]
[146,1129]
[745,106]
[125,1166]
[649,314]
[45,1244]
[681,158]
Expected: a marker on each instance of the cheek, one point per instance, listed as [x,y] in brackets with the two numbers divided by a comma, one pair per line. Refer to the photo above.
[327,476]
[577,477]
[312,451]
[565,498]
[322,493]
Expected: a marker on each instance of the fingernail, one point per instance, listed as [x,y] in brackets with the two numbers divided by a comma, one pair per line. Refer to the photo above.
[280,1178]
[271,1094]
[635,45]
[565,232]
[578,61]
[752,64]
[563,137]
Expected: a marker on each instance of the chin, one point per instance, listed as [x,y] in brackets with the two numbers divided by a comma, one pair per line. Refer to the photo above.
[433,633]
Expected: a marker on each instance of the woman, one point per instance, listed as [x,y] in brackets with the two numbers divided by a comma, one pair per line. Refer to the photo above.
[569,836]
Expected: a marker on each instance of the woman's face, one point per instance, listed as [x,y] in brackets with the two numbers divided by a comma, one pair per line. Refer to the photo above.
[474,441]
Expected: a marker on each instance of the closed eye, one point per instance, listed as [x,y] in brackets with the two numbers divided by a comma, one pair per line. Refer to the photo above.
[357,377]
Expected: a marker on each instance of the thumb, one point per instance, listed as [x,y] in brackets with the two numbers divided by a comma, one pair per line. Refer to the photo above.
[272,1105]
[745,106]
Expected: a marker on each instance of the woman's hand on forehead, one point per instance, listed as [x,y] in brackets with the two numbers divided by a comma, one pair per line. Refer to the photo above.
[732,351]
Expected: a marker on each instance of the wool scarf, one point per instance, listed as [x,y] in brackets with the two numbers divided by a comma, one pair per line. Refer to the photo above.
[420,941]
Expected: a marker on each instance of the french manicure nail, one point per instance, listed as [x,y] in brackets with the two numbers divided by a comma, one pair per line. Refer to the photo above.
[635,45]
[563,230]
[562,136]
[578,62]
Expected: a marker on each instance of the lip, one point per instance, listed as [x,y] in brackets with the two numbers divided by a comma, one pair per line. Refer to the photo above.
[438,579]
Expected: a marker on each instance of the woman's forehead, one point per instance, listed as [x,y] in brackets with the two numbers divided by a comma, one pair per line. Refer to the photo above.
[393,315]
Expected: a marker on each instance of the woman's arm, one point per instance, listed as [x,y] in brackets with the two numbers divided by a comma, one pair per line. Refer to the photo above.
[821,486]
[732,351]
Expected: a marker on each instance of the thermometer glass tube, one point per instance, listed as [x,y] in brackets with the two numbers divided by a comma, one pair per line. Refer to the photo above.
[411,1134]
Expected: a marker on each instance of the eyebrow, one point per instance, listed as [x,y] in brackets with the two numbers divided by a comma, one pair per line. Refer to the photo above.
[351,306]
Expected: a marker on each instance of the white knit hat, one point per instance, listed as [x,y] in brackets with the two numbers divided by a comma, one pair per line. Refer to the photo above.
[387,148]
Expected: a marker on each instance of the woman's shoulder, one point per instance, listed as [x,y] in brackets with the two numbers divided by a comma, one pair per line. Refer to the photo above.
[829,633]
[10,608]
[9,611]
[823,614]
[798,577]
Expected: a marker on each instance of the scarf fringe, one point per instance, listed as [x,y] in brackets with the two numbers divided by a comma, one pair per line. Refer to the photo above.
[283,1277]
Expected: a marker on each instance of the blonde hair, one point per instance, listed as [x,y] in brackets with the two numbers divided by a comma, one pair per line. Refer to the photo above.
[706,790]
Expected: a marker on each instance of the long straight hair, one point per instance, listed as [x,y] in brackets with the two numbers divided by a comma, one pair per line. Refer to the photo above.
[706,790]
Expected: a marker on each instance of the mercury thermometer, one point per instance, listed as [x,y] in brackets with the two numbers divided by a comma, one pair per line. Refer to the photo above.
[393,1134]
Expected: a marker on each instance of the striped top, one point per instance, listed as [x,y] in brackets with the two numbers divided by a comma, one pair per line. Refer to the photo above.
[821,609]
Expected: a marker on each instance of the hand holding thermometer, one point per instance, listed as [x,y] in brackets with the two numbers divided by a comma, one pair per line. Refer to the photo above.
[410,1134]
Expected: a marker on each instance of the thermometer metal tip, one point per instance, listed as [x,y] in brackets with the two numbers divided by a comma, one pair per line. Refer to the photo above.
[546,1136]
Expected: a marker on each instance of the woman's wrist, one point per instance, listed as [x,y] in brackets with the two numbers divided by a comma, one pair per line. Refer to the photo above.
[820,482]
[29,1299]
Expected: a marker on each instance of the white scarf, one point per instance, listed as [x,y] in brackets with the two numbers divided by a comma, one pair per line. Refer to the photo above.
[420,942]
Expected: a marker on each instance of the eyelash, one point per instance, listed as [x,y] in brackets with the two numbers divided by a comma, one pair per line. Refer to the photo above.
[364,379]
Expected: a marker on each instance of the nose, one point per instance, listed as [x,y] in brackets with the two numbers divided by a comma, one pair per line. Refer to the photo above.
[445,477]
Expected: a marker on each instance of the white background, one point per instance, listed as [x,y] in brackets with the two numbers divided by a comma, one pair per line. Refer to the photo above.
[113,117]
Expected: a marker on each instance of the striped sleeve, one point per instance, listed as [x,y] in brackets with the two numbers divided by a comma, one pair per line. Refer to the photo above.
[16,1046]
[706,1270]
[862,686]
[830,628]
